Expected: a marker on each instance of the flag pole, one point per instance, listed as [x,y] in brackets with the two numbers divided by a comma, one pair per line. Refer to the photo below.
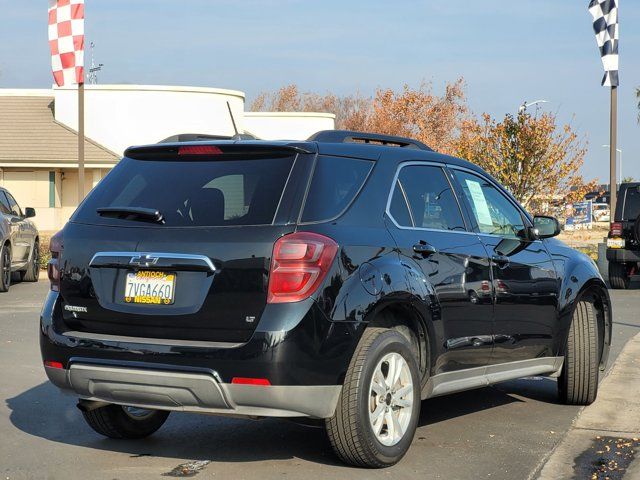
[80,142]
[613,134]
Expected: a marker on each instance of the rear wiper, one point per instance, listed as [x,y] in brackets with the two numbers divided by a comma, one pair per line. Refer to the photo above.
[132,213]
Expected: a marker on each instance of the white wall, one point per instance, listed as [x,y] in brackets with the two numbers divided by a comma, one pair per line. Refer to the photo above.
[287,125]
[118,116]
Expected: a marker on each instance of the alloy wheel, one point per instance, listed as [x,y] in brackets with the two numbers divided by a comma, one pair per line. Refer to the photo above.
[390,399]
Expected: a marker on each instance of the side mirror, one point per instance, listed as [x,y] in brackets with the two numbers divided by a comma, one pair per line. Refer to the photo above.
[547,227]
[29,212]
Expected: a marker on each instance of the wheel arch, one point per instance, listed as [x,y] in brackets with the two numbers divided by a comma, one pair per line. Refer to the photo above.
[402,316]
[595,291]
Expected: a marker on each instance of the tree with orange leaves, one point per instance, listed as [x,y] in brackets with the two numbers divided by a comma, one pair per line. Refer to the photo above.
[413,112]
[530,155]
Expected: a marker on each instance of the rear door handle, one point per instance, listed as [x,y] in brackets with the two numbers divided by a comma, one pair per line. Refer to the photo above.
[500,260]
[424,249]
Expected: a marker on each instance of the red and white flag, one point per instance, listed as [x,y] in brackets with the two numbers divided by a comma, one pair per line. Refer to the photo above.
[66,40]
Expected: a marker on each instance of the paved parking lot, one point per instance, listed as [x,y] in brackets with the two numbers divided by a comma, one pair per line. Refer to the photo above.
[501,432]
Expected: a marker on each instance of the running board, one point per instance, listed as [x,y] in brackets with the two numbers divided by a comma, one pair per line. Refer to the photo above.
[460,380]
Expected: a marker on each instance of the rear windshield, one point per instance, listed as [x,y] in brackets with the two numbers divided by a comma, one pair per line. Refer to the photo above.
[631,203]
[335,183]
[192,193]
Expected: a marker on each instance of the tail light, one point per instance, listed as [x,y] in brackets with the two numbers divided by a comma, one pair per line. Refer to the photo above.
[300,263]
[53,267]
[199,150]
[615,229]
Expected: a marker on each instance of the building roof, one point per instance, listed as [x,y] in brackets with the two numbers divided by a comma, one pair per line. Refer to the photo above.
[30,136]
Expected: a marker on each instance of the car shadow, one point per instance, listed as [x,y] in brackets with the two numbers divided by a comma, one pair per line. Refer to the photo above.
[440,409]
[43,411]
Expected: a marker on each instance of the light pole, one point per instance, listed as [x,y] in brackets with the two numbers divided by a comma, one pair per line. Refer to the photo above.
[525,105]
[620,152]
[521,109]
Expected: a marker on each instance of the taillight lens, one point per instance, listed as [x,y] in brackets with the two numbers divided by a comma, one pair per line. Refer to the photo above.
[53,267]
[615,230]
[300,263]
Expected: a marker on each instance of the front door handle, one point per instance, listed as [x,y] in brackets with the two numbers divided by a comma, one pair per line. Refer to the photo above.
[424,249]
[500,260]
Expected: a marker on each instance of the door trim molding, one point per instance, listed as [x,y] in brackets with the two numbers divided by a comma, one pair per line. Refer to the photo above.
[478,377]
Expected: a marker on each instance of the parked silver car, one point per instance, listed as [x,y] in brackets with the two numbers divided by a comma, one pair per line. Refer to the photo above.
[19,242]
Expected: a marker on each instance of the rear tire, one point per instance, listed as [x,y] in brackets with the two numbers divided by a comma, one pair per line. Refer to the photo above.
[32,273]
[578,382]
[5,268]
[117,421]
[619,276]
[376,417]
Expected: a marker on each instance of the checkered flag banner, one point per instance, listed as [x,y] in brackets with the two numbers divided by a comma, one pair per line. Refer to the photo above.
[605,26]
[66,41]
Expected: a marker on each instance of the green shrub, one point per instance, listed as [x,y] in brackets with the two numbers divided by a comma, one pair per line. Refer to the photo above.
[45,254]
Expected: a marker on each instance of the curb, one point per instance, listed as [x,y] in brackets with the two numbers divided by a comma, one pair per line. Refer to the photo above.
[604,440]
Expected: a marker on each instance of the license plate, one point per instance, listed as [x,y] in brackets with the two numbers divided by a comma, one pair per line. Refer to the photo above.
[151,287]
[615,242]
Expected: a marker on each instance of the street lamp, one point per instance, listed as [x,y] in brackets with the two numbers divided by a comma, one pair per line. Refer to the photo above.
[521,109]
[620,152]
[525,105]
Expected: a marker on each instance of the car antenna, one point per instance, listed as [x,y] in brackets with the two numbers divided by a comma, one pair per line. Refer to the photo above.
[232,119]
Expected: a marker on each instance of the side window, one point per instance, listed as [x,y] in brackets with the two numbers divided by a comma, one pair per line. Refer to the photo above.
[430,199]
[15,208]
[4,204]
[336,181]
[494,213]
[399,208]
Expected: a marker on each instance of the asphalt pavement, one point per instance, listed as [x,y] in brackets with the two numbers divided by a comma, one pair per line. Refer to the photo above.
[500,432]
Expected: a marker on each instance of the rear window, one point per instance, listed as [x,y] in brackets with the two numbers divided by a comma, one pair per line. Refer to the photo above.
[631,203]
[336,181]
[193,193]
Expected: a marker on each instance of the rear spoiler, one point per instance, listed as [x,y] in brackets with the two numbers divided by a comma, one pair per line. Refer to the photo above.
[211,150]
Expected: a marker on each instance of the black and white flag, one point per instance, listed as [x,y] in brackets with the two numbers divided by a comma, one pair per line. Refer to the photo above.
[605,26]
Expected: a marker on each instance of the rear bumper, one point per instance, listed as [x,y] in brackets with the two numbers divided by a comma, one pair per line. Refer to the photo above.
[622,255]
[303,355]
[193,392]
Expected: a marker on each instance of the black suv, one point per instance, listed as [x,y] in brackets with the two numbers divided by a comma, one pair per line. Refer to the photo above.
[623,244]
[343,279]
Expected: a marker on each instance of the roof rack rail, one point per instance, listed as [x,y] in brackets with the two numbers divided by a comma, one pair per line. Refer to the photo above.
[350,136]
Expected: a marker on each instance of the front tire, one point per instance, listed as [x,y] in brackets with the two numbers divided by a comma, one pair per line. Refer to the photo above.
[378,410]
[5,268]
[117,421]
[578,382]
[619,276]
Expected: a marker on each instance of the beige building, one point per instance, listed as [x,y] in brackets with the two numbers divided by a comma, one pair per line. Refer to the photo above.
[38,158]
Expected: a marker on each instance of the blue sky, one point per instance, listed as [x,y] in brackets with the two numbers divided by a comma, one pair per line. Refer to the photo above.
[507,51]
